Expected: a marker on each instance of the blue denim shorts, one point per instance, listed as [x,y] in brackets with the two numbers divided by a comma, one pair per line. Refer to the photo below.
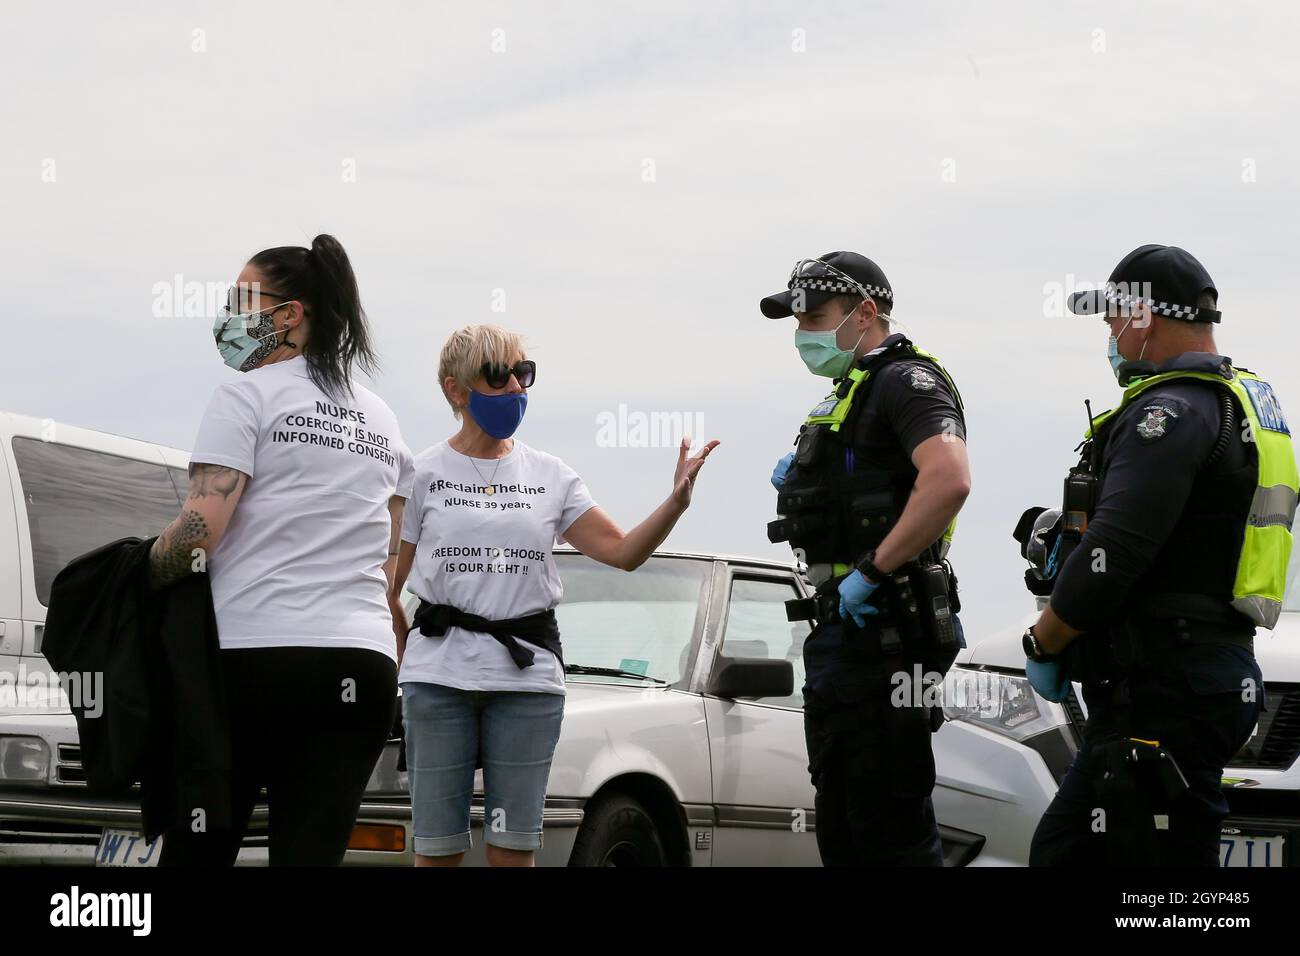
[447,729]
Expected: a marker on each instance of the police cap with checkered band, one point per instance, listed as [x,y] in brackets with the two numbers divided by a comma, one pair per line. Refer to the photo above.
[814,281]
[1168,279]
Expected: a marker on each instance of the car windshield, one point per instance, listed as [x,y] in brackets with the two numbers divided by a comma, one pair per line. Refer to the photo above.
[1291,598]
[641,622]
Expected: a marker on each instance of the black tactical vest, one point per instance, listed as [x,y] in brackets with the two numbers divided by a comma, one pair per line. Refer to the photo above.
[836,504]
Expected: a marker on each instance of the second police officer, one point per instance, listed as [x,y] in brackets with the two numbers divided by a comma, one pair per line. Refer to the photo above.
[868,500]
[1172,550]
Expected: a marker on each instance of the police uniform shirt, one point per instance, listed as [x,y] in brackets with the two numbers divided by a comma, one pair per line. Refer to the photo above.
[1165,535]
[909,401]
[301,562]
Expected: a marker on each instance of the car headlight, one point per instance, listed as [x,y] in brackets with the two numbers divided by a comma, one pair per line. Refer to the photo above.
[24,760]
[1007,704]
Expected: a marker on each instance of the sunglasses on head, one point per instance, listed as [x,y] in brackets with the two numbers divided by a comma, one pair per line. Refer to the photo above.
[497,374]
[818,269]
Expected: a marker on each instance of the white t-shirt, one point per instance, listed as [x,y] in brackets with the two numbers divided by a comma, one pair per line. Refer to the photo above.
[302,560]
[488,555]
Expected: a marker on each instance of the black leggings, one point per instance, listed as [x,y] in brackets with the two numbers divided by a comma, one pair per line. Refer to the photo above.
[308,724]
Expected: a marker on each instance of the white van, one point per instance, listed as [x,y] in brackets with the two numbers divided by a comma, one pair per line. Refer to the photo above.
[63,492]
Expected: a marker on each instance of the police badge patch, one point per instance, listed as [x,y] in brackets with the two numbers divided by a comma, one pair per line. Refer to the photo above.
[1155,421]
[824,407]
[921,380]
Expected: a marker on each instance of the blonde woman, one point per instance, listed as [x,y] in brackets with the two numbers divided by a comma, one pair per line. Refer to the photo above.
[482,673]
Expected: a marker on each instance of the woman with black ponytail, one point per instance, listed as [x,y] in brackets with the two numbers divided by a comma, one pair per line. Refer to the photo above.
[297,482]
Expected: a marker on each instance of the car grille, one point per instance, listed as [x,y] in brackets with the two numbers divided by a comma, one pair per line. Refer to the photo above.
[1258,802]
[67,767]
[1276,743]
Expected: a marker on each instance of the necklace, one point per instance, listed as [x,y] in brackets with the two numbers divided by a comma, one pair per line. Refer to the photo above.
[490,484]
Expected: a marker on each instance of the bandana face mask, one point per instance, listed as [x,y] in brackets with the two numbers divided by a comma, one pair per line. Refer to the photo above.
[240,337]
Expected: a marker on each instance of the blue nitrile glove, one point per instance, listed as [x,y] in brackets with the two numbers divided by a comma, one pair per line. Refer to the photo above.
[1049,679]
[855,591]
[778,473]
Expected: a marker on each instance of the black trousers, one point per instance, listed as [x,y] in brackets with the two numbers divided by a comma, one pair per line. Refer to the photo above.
[1201,703]
[307,724]
[869,755]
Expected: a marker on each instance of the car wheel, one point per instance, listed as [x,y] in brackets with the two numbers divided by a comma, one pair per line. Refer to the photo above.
[617,831]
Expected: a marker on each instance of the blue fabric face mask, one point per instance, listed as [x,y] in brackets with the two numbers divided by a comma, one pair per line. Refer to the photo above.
[498,415]
[240,338]
[821,353]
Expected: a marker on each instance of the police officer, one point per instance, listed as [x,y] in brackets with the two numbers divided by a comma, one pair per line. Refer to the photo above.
[1179,520]
[868,499]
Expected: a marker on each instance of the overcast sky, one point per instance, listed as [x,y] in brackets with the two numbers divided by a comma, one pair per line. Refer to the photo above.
[628,180]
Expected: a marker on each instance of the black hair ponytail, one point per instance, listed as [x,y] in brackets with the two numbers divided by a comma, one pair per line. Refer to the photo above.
[322,279]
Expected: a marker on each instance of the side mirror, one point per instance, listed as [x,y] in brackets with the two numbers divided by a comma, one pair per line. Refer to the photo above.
[751,677]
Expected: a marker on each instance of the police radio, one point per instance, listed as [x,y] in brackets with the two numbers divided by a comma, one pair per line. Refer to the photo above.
[1080,495]
[930,589]
[1077,502]
[921,616]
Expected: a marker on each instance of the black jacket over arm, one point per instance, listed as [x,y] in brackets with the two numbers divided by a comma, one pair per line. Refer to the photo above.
[162,719]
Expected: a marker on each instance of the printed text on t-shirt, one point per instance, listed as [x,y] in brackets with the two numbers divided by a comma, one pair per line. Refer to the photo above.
[497,562]
[341,430]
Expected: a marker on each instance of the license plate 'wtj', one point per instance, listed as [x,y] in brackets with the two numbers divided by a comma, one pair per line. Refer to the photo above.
[127,848]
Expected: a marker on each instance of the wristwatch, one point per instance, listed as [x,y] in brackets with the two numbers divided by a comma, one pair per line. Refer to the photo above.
[869,571]
[1033,650]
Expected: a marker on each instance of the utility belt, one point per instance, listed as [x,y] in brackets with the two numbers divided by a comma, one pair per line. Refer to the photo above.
[1135,641]
[539,629]
[1139,640]
[917,603]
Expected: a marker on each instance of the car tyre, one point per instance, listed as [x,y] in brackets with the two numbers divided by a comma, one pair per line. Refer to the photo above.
[617,831]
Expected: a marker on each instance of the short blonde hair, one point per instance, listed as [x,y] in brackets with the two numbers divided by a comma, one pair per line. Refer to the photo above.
[467,349]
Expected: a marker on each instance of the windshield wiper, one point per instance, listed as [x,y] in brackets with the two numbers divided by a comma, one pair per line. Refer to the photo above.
[608,672]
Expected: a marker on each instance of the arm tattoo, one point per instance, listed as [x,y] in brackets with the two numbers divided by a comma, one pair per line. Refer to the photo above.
[171,557]
[213,480]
